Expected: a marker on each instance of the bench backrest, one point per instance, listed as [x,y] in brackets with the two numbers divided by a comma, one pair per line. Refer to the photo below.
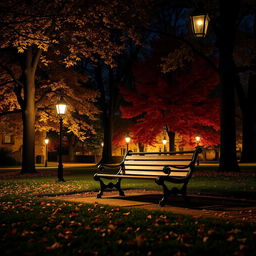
[153,163]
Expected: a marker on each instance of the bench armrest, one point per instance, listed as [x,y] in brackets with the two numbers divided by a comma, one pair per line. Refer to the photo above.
[167,169]
[102,166]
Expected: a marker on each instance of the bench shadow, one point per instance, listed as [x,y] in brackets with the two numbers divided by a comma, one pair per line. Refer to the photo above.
[195,201]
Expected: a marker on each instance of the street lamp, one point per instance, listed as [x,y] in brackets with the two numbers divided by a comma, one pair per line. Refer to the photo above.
[46,141]
[198,139]
[164,142]
[127,140]
[61,108]
[200,24]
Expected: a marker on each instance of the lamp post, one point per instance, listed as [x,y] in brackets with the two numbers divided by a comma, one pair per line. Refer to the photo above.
[198,139]
[127,140]
[200,24]
[164,142]
[46,141]
[61,108]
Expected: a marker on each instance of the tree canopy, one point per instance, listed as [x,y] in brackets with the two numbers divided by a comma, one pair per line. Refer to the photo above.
[63,32]
[183,102]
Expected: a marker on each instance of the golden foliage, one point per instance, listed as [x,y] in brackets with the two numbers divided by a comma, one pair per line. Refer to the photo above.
[177,59]
[72,28]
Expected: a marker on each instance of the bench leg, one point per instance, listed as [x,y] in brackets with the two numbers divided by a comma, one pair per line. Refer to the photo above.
[184,192]
[174,191]
[102,188]
[166,191]
[110,185]
[118,187]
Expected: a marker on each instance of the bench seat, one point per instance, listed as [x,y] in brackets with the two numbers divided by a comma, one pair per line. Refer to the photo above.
[174,167]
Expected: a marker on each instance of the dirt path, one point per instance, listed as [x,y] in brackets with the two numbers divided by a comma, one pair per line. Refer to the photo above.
[199,206]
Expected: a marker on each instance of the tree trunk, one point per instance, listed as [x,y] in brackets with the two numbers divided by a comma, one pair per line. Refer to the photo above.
[248,111]
[29,110]
[107,125]
[249,123]
[141,147]
[228,161]
[28,118]
[71,147]
[107,117]
[171,136]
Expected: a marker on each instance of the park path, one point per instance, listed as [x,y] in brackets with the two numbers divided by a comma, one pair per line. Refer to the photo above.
[200,205]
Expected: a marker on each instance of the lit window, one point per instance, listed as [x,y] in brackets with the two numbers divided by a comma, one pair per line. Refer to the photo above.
[8,139]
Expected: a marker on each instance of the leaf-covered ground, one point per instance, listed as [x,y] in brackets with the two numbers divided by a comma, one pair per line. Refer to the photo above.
[31,225]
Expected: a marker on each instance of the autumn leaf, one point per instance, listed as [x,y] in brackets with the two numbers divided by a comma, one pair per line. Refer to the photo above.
[242,247]
[231,238]
[54,246]
[139,240]
[205,239]
[13,231]
[112,227]
[73,214]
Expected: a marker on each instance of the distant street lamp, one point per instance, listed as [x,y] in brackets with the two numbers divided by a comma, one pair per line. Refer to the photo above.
[127,140]
[200,24]
[61,108]
[46,141]
[102,144]
[198,139]
[164,142]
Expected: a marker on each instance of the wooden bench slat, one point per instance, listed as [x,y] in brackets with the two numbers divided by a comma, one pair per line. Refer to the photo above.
[135,172]
[152,177]
[163,153]
[153,168]
[156,163]
[149,171]
[157,157]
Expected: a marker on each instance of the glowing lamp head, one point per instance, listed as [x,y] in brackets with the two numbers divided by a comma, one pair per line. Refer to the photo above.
[46,141]
[102,144]
[127,139]
[200,24]
[198,139]
[164,141]
[61,107]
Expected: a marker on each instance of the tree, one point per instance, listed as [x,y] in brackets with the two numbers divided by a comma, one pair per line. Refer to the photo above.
[180,102]
[108,81]
[68,30]
[81,102]
[229,79]
[245,59]
[224,20]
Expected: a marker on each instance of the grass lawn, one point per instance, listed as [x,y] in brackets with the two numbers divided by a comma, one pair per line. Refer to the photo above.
[31,225]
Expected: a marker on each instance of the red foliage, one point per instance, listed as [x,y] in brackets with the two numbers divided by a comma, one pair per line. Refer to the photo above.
[181,101]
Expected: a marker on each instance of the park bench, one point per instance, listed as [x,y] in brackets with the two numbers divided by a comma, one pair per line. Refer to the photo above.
[175,167]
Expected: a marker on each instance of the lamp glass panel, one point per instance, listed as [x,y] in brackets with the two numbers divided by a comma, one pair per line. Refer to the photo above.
[61,109]
[200,25]
[127,139]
